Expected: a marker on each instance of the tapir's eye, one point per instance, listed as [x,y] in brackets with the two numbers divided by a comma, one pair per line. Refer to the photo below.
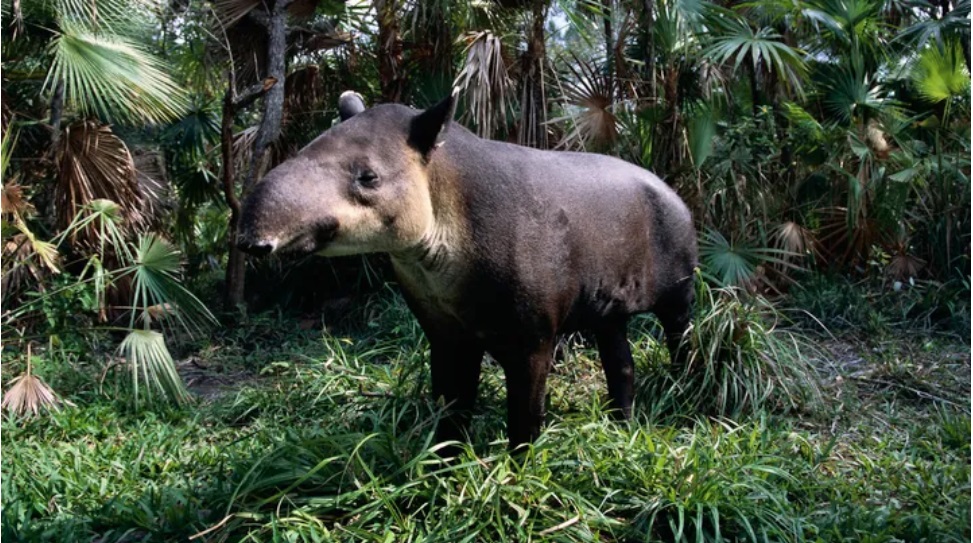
[367,179]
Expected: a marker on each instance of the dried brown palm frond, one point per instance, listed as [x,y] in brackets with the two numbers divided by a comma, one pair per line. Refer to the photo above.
[844,239]
[93,164]
[484,83]
[318,35]
[229,12]
[591,93]
[153,185]
[25,265]
[248,51]
[303,90]
[904,265]
[794,240]
[13,202]
[243,146]
[29,394]
[25,246]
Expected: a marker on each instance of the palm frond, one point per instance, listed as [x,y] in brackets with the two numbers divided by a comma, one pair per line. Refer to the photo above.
[303,90]
[483,82]
[152,366]
[29,394]
[794,240]
[735,263]
[13,201]
[590,92]
[231,11]
[851,93]
[94,164]
[737,42]
[101,225]
[940,73]
[109,76]
[156,285]
[954,25]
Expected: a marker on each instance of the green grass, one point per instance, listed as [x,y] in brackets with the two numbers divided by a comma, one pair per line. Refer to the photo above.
[330,439]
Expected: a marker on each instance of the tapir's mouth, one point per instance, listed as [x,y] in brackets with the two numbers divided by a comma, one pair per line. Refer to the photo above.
[312,239]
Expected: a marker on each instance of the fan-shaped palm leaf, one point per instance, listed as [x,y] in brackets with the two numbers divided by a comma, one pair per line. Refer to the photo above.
[940,74]
[849,25]
[29,394]
[591,92]
[733,263]
[94,164]
[953,26]
[151,364]
[737,42]
[156,286]
[112,15]
[109,76]
[852,94]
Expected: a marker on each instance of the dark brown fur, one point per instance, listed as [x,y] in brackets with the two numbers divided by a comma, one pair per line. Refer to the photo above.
[509,248]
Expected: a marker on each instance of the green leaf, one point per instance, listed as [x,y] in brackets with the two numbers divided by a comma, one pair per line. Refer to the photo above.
[158,295]
[109,76]
[152,366]
[940,74]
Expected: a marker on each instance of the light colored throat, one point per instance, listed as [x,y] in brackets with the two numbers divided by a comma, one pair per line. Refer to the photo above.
[438,252]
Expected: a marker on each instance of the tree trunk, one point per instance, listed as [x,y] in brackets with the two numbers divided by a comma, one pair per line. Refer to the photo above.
[390,71]
[648,47]
[273,102]
[236,262]
[606,6]
[533,106]
[57,109]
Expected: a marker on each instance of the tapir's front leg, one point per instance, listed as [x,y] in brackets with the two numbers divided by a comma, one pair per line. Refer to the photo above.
[526,391]
[455,365]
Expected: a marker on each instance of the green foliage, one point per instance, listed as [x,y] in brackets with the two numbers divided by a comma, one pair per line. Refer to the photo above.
[113,77]
[333,442]
[739,360]
[876,309]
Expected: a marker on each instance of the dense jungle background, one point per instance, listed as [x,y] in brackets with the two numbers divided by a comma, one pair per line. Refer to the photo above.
[160,386]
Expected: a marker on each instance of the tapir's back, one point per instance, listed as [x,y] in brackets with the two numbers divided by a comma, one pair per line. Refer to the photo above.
[598,234]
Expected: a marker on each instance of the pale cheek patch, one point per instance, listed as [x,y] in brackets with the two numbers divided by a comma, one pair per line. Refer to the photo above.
[399,217]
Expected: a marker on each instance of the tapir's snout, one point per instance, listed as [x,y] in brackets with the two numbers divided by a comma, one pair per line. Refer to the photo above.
[262,247]
[280,235]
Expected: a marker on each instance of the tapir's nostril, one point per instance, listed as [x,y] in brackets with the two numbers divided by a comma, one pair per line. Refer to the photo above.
[259,247]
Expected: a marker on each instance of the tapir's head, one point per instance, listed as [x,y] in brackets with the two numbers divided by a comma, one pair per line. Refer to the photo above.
[362,186]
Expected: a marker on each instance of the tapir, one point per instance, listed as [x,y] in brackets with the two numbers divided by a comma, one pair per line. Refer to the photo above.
[497,248]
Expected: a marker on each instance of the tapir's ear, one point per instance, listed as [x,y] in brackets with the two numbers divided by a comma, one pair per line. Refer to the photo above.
[428,129]
[350,103]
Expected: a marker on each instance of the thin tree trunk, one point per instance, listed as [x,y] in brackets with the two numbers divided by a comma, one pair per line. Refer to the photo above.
[648,47]
[609,43]
[236,261]
[754,87]
[273,102]
[57,110]
[390,71]
[533,106]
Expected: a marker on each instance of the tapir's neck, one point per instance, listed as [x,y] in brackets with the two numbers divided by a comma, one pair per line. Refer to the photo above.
[444,247]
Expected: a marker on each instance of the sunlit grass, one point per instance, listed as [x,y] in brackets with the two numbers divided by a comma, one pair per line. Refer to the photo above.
[332,440]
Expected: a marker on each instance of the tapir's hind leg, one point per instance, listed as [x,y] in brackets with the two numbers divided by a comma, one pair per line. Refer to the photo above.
[616,359]
[675,311]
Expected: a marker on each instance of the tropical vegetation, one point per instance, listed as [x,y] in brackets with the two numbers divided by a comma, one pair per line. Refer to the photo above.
[159,385]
